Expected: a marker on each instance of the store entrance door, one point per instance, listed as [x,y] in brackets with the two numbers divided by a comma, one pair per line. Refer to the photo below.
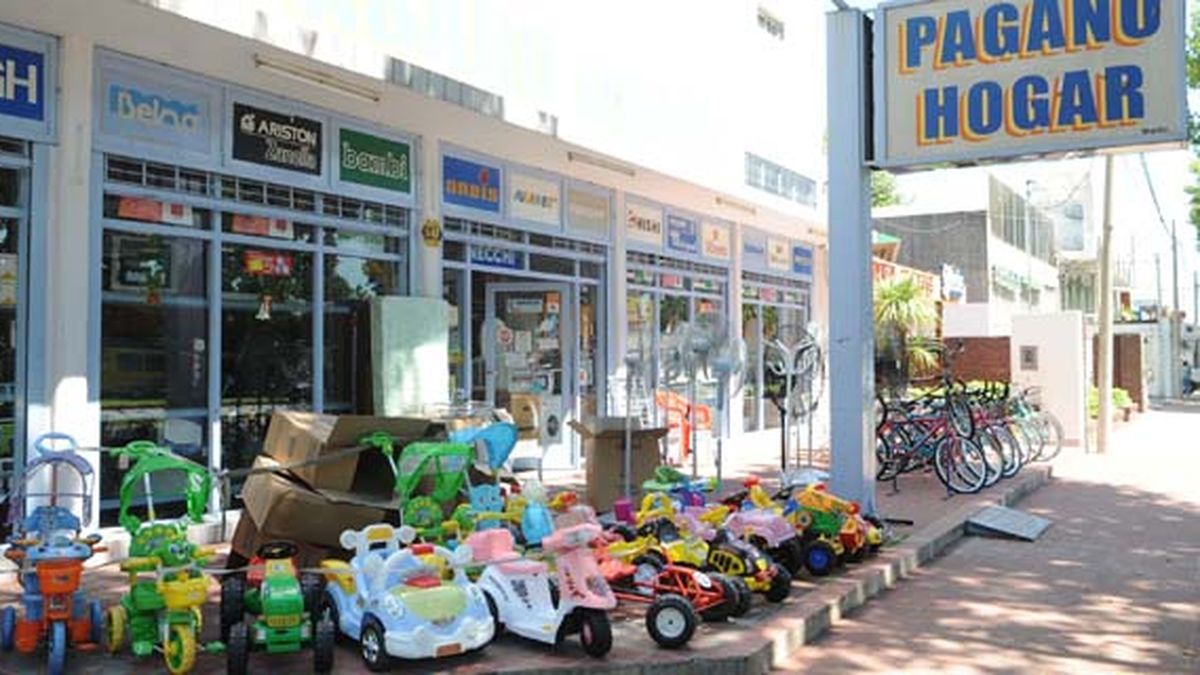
[529,351]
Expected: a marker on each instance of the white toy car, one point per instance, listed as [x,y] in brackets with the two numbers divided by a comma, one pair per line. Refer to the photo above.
[393,599]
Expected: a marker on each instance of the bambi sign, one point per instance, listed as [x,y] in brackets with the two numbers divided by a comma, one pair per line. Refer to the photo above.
[964,80]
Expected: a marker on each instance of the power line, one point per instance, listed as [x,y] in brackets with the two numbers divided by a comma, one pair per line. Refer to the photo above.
[1154,197]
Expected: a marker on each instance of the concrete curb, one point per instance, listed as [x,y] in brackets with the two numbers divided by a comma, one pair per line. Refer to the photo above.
[777,633]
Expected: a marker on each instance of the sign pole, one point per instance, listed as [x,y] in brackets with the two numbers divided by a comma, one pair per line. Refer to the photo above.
[1105,367]
[851,304]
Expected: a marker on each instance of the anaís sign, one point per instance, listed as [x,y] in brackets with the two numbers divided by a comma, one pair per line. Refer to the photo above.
[966,80]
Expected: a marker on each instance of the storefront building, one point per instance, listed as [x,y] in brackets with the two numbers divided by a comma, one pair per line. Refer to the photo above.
[216,227]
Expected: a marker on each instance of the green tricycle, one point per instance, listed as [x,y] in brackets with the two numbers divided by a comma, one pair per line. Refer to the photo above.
[167,585]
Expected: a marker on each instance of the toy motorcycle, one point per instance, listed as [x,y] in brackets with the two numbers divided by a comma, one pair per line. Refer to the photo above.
[50,553]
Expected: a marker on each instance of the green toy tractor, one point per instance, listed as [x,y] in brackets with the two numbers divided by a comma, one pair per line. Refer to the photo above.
[284,607]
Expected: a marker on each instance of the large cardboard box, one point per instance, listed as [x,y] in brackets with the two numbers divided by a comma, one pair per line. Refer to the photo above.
[284,507]
[603,452]
[366,476]
[247,538]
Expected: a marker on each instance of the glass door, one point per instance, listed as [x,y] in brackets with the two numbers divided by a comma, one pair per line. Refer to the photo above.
[14,205]
[529,353]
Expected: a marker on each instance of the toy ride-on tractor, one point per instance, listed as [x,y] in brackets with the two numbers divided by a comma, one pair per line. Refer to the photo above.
[396,602]
[47,548]
[285,607]
[523,600]
[167,585]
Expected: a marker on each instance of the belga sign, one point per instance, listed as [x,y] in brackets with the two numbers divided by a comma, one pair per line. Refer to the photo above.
[980,79]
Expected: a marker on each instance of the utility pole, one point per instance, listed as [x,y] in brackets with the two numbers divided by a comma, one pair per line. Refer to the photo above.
[1196,300]
[1029,247]
[1175,268]
[1158,284]
[1104,367]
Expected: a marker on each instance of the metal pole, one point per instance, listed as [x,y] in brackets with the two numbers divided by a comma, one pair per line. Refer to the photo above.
[628,427]
[1105,366]
[851,324]
[1158,284]
[1196,301]
[1175,269]
[1029,247]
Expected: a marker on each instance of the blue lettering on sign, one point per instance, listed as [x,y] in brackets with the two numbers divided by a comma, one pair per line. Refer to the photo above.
[22,83]
[469,184]
[496,257]
[131,105]
[683,235]
[754,249]
[802,260]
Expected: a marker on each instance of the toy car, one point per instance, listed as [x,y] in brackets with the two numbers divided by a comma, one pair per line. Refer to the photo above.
[162,611]
[395,602]
[285,606]
[523,600]
[47,548]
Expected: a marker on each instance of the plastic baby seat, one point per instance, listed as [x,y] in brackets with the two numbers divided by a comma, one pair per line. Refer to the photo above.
[486,498]
[498,439]
[489,546]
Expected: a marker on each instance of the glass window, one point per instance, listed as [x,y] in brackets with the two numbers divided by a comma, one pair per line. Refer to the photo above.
[266,343]
[552,265]
[262,226]
[590,313]
[639,317]
[350,283]
[452,293]
[10,294]
[142,209]
[10,187]
[751,387]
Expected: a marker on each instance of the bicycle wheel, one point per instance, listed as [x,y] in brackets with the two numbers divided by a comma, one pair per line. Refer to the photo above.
[892,450]
[993,455]
[1012,453]
[962,419]
[960,465]
[1049,429]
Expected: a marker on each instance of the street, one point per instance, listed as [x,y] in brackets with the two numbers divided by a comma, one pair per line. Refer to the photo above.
[1112,586]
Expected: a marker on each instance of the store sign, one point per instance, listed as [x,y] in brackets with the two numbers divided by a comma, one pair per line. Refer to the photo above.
[588,212]
[365,159]
[802,260]
[267,263]
[535,199]
[466,183]
[683,235]
[525,306]
[644,224]
[716,240]
[276,139]
[22,83]
[261,226]
[154,211]
[495,257]
[754,249]
[779,255]
[983,79]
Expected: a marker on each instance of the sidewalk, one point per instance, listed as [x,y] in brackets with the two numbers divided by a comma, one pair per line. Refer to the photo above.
[1113,585]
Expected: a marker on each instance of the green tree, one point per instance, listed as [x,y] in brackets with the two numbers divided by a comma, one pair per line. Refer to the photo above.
[883,189]
[1193,78]
[904,317]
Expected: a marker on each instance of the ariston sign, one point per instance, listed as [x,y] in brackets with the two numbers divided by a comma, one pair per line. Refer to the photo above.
[964,80]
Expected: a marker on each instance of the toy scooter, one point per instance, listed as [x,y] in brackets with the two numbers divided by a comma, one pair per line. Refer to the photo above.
[521,597]
[50,554]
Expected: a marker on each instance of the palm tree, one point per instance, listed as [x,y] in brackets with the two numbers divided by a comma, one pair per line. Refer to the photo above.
[904,316]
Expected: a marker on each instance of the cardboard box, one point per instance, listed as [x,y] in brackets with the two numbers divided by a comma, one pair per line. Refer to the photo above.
[284,507]
[300,436]
[603,452]
[247,539]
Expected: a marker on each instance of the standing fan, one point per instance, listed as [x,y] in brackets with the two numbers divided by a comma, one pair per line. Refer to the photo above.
[795,356]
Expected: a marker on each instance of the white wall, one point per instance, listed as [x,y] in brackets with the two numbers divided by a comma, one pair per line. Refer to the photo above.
[1060,374]
[974,319]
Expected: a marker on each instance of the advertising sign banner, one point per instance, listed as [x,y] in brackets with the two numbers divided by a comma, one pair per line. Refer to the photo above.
[466,183]
[22,83]
[366,159]
[277,140]
[588,212]
[174,116]
[754,249]
[802,260]
[778,254]
[495,257]
[535,199]
[683,235]
[984,79]
[716,240]
[644,224]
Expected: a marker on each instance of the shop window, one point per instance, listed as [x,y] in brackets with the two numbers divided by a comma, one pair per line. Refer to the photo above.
[639,317]
[350,283]
[453,294]
[454,250]
[146,210]
[263,226]
[551,265]
[590,313]
[10,187]
[591,270]
[751,387]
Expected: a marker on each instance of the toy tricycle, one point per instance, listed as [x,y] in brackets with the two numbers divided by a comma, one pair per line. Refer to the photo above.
[167,586]
[395,601]
[286,608]
[522,599]
[47,548]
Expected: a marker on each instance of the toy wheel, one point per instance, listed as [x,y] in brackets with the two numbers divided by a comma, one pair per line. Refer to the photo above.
[329,612]
[233,602]
[96,616]
[744,597]
[671,620]
[114,628]
[8,627]
[312,587]
[497,625]
[237,649]
[626,532]
[790,554]
[781,585]
[56,651]
[372,646]
[647,567]
[179,651]
[651,557]
[724,609]
[857,555]
[423,513]
[324,636]
[803,519]
[595,631]
[819,558]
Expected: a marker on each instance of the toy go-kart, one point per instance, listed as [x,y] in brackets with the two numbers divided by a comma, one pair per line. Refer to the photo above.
[752,516]
[833,528]
[285,607]
[167,586]
[395,602]
[523,600]
[47,548]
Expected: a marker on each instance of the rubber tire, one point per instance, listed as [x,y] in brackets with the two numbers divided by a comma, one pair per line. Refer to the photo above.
[329,611]
[781,585]
[494,610]
[381,661]
[96,614]
[56,649]
[595,631]
[670,602]
[722,610]
[790,554]
[233,603]
[312,588]
[744,598]
[624,531]
[324,639]
[114,643]
[653,557]
[824,563]
[8,628]
[237,649]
